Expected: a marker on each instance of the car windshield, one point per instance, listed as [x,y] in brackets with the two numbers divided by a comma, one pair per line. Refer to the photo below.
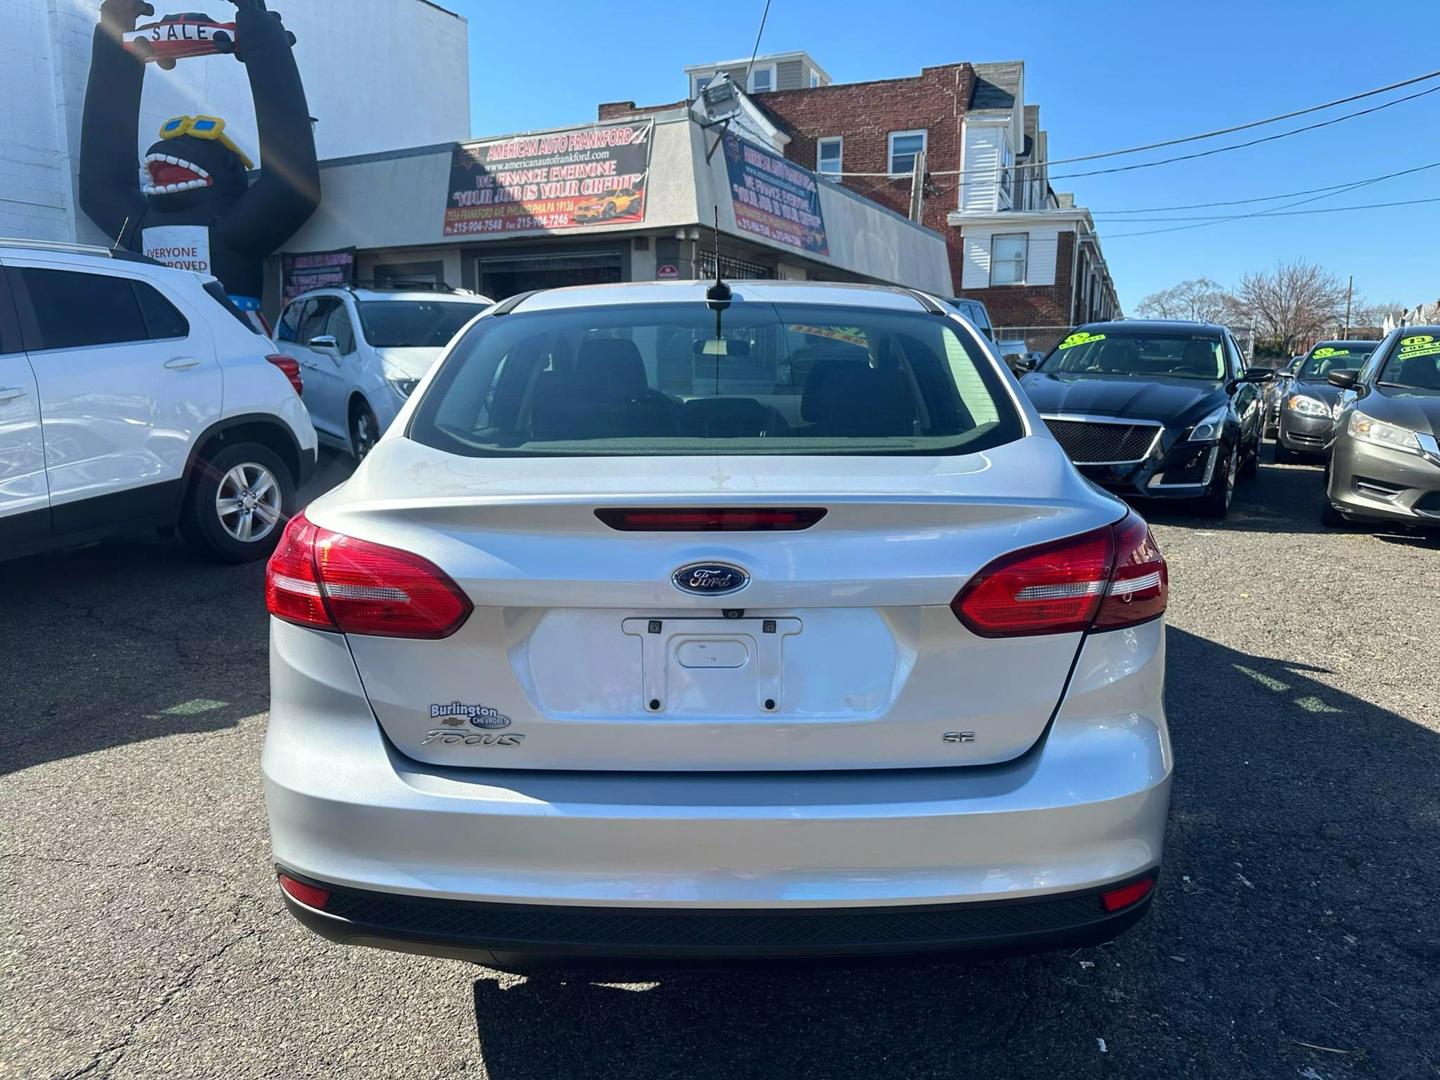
[1139,355]
[671,378]
[1331,356]
[1414,362]
[394,324]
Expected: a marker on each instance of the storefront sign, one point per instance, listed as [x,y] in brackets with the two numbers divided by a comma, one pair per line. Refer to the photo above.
[667,272]
[588,176]
[774,198]
[316,270]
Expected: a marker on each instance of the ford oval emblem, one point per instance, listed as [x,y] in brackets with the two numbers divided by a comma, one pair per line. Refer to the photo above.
[710,578]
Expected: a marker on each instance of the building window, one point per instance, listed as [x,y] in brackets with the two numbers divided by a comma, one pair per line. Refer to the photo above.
[814,80]
[904,145]
[700,82]
[762,79]
[1008,254]
[828,154]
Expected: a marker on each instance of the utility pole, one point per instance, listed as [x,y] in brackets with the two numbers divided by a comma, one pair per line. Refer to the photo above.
[1349,292]
[917,187]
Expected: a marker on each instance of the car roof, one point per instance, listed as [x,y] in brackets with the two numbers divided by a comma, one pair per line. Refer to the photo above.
[359,293]
[1343,341]
[771,292]
[1156,326]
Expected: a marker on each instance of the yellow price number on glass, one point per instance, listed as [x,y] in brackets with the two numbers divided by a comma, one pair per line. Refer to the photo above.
[1080,337]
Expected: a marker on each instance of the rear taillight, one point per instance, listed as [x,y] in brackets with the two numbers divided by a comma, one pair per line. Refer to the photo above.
[1126,895]
[329,581]
[1105,579]
[291,367]
[762,519]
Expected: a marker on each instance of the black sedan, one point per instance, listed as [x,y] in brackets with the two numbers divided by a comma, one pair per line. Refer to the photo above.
[1310,403]
[1385,460]
[1156,410]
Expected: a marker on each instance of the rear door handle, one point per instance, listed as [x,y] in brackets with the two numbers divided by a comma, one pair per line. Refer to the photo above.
[182,363]
[10,393]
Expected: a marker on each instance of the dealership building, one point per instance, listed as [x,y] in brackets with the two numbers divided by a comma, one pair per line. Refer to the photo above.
[636,200]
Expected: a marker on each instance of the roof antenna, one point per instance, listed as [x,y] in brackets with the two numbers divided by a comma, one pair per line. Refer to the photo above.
[717,296]
[121,234]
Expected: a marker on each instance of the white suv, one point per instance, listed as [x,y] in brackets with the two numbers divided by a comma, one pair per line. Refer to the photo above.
[133,395]
[364,349]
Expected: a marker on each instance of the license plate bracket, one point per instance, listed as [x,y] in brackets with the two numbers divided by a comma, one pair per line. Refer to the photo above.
[712,667]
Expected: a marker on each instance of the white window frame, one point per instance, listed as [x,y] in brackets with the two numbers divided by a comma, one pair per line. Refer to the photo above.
[750,82]
[1024,258]
[924,142]
[814,80]
[839,141]
[699,82]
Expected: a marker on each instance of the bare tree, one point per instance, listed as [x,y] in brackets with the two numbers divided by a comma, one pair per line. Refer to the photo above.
[1292,303]
[1200,299]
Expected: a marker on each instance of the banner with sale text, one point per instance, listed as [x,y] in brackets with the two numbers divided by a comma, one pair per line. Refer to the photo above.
[559,180]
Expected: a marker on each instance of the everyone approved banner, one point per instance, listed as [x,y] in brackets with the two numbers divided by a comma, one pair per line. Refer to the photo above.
[585,176]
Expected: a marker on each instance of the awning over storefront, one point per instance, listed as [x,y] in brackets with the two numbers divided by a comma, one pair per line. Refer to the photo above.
[610,182]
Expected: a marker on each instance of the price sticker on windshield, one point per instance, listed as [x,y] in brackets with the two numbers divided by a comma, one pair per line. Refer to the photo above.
[1080,337]
[1419,345]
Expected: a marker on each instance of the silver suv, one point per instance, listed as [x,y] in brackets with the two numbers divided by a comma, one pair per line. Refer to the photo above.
[823,648]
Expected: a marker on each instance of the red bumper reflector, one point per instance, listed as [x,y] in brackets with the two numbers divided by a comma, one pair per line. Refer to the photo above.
[308,895]
[1126,895]
[711,520]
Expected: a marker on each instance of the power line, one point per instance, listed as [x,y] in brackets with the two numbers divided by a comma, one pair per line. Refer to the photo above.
[1264,198]
[1252,142]
[1251,124]
[1192,138]
[1278,213]
[756,51]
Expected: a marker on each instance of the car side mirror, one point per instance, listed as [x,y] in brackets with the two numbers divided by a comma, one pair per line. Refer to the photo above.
[1343,379]
[1258,375]
[324,343]
[1019,363]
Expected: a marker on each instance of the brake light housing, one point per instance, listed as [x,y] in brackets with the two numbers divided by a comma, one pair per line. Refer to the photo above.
[1105,579]
[328,581]
[712,519]
[291,368]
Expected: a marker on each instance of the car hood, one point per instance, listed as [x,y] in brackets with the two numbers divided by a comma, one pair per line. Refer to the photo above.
[1171,401]
[412,361]
[1320,391]
[1418,410]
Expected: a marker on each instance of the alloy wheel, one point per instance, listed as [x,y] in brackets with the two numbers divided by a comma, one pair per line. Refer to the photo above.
[247,502]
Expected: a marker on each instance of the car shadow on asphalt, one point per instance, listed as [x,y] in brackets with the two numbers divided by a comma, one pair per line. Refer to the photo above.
[1295,907]
[131,639]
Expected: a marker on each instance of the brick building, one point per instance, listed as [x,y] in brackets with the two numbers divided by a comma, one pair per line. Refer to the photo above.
[1030,254]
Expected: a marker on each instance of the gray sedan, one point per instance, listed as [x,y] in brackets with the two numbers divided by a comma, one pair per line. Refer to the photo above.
[1309,406]
[1385,462]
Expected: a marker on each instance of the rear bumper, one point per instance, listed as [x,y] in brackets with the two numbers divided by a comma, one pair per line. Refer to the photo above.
[517,935]
[1084,810]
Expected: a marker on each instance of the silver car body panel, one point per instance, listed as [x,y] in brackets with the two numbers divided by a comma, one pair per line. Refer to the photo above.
[1086,807]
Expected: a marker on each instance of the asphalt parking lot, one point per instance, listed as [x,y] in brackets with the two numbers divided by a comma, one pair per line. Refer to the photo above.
[1296,934]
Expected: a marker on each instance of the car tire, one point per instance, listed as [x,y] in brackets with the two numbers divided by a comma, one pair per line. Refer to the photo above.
[364,429]
[240,499]
[1217,503]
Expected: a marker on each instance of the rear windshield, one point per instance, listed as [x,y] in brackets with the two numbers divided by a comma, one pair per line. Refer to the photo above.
[675,379]
[1331,356]
[398,324]
[1145,356]
[1414,361]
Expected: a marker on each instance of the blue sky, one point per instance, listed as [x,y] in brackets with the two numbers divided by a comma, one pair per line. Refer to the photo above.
[1105,74]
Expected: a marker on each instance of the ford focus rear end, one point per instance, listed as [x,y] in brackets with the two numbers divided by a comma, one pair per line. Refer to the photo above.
[766,625]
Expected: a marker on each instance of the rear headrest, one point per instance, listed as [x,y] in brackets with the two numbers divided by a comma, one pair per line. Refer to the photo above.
[1116,352]
[610,368]
[848,398]
[1198,357]
[1422,371]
